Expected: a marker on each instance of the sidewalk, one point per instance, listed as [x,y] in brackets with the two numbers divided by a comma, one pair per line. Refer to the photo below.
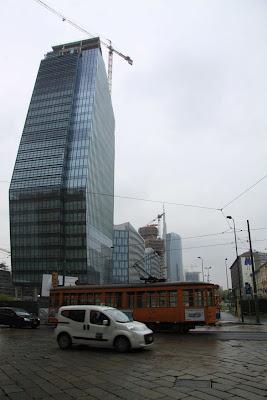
[228,318]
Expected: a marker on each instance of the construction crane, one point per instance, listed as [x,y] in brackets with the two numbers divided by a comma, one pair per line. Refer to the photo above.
[108,45]
[158,219]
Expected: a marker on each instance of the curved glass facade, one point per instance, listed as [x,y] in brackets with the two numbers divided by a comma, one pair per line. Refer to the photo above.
[174,257]
[58,220]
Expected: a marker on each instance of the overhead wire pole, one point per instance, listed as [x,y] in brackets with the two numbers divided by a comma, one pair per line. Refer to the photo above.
[255,294]
[109,46]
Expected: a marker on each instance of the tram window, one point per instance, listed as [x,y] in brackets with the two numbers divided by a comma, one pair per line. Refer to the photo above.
[118,297]
[66,299]
[139,299]
[74,299]
[148,296]
[188,298]
[210,297]
[98,298]
[130,297]
[91,298]
[154,299]
[199,298]
[82,298]
[173,299]
[108,299]
[163,299]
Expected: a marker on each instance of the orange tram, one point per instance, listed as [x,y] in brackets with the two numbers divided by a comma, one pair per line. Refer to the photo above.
[178,306]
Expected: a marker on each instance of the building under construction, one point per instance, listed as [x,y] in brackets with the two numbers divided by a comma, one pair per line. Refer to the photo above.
[151,235]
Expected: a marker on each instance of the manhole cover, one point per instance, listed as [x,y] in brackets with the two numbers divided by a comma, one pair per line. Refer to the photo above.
[193,383]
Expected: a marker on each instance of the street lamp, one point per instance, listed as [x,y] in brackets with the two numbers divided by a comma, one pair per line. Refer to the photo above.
[208,274]
[202,265]
[238,270]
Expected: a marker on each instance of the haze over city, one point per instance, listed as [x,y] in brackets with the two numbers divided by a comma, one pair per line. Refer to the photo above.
[190,112]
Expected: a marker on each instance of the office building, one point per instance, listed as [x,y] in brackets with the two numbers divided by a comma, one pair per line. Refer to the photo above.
[174,260]
[58,220]
[128,254]
[152,263]
[192,276]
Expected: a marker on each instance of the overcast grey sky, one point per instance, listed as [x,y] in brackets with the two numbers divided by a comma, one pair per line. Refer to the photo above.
[190,113]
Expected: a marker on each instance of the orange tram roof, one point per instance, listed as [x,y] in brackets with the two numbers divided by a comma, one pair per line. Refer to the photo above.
[137,285]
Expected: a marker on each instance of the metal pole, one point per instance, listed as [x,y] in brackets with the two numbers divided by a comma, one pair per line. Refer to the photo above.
[208,274]
[238,272]
[255,294]
[239,277]
[227,282]
[202,265]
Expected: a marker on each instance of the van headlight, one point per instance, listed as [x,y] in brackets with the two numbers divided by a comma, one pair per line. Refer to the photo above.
[135,328]
[26,319]
[131,327]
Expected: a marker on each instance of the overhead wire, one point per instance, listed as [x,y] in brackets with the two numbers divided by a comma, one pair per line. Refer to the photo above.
[148,200]
[244,192]
[64,18]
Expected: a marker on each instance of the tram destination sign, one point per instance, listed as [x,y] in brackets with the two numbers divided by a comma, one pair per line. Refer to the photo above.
[194,314]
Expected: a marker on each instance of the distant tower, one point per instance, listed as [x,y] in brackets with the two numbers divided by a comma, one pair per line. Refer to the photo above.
[174,259]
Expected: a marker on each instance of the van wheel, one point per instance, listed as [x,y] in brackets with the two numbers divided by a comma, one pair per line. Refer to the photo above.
[64,341]
[122,344]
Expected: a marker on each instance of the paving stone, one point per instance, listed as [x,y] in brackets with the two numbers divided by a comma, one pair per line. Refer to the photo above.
[173,393]
[217,393]
[246,395]
[19,396]
[203,396]
[74,392]
[147,393]
[7,389]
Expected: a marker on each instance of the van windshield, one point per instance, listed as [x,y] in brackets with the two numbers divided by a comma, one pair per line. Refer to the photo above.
[118,315]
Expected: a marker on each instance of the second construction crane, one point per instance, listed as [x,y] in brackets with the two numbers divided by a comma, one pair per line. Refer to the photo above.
[108,45]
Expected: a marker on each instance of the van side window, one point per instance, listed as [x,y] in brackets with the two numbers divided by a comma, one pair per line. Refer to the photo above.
[75,315]
[97,317]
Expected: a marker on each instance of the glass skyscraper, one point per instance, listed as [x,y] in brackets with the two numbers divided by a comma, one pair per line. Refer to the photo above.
[59,218]
[174,260]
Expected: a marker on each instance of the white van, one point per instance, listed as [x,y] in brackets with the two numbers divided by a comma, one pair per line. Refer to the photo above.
[100,326]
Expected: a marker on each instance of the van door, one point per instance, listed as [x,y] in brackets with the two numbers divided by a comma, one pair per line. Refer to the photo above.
[99,334]
[74,320]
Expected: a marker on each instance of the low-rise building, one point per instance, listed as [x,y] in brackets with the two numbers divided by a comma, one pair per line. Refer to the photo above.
[261,280]
[241,272]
